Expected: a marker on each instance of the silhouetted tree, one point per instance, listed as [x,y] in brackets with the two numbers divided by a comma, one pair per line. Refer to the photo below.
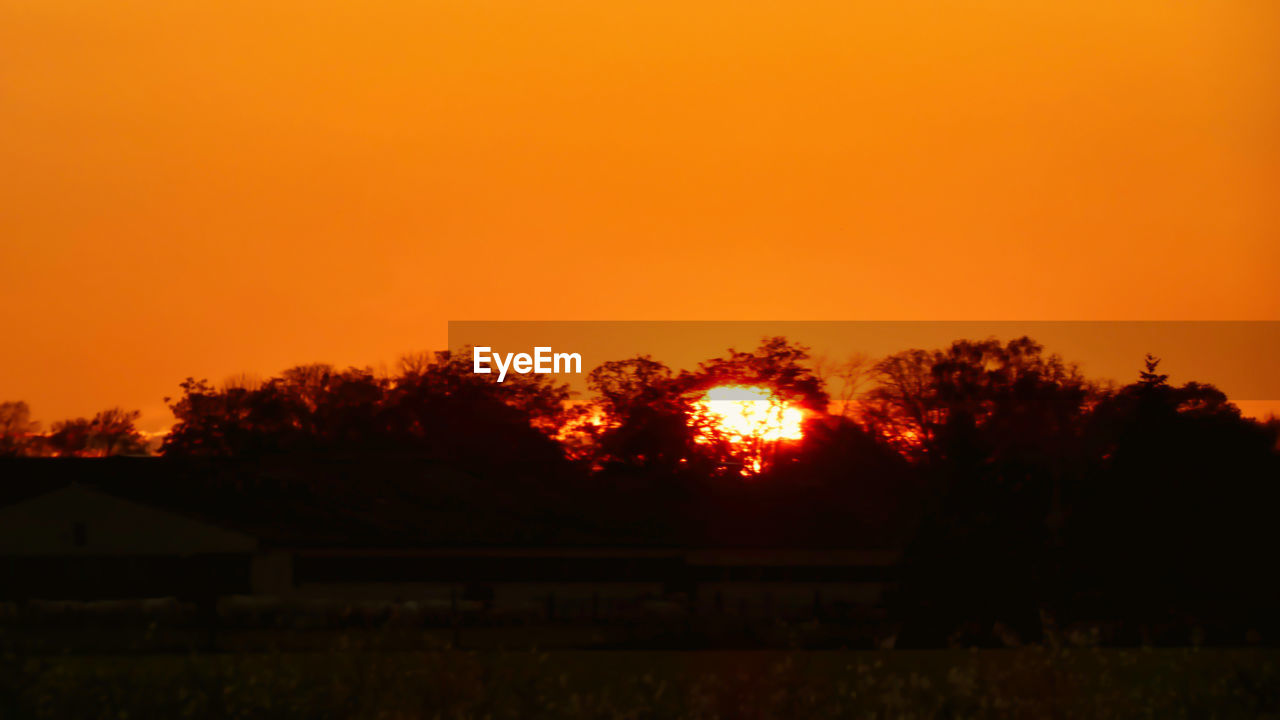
[446,411]
[1172,524]
[434,408]
[642,418]
[784,370]
[1146,505]
[932,403]
[777,364]
[70,438]
[17,431]
[847,486]
[110,432]
[998,430]
[1149,378]
[845,380]
[645,418]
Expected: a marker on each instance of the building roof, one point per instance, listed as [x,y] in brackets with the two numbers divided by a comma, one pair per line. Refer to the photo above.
[79,520]
[300,503]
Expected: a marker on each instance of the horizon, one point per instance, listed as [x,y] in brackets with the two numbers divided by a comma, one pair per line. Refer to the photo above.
[1234,357]
[159,420]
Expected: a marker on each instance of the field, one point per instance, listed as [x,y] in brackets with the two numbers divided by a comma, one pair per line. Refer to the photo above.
[354,682]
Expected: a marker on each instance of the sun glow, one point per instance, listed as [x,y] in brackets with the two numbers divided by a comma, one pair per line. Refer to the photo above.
[744,414]
[750,418]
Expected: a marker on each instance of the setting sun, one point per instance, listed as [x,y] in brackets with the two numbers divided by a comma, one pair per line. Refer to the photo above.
[750,418]
[744,412]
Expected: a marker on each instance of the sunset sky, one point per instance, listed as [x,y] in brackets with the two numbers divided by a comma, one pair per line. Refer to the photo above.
[207,188]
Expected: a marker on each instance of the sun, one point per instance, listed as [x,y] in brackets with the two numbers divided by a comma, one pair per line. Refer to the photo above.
[751,418]
[745,412]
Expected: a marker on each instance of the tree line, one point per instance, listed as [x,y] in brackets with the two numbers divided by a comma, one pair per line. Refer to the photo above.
[1021,489]
[110,432]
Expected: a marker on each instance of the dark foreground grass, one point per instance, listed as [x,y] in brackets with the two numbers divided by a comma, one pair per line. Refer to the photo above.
[355,683]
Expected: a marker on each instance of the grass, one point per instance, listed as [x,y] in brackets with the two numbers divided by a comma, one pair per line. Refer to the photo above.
[351,682]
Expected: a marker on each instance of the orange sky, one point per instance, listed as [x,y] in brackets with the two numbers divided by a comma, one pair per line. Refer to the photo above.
[204,188]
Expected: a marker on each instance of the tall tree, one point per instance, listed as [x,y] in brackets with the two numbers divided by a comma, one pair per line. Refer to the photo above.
[998,429]
[1000,396]
[70,438]
[17,430]
[1177,513]
[782,366]
[641,417]
[113,432]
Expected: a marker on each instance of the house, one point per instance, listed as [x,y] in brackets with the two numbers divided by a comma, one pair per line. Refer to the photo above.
[77,542]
